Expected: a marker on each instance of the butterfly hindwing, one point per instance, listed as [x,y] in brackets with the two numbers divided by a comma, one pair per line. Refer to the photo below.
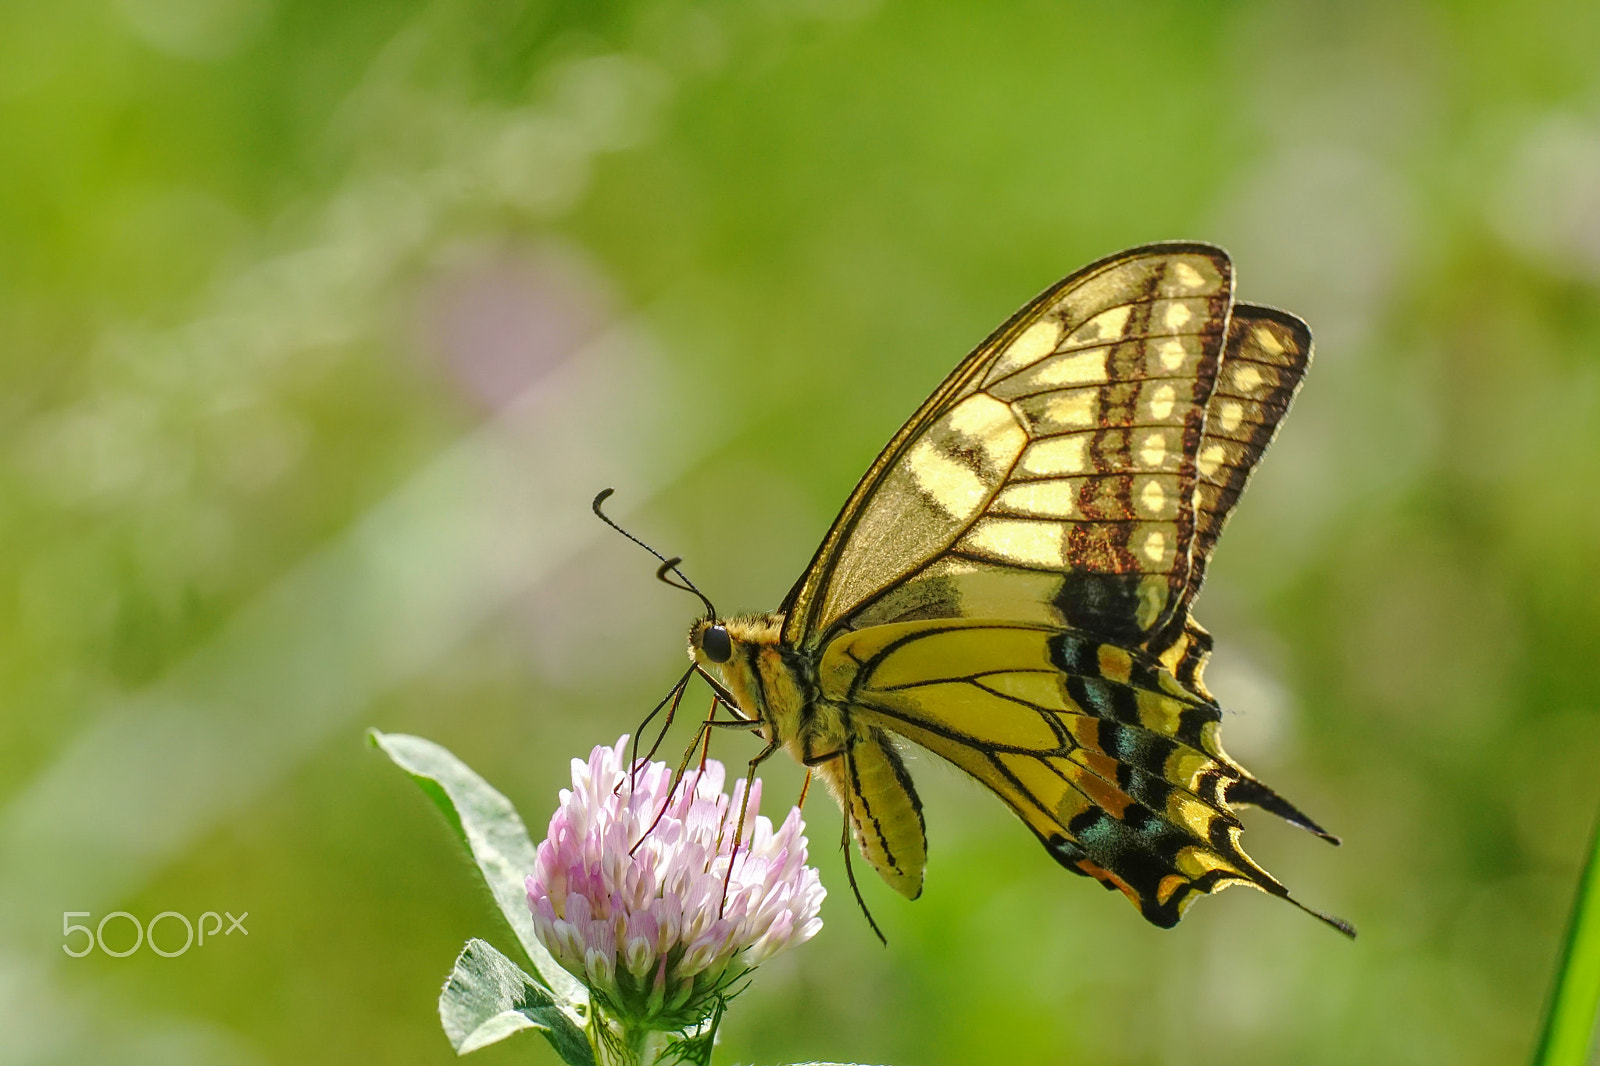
[1116,769]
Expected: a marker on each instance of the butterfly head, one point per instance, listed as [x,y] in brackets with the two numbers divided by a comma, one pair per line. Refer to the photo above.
[721,642]
[735,657]
[709,641]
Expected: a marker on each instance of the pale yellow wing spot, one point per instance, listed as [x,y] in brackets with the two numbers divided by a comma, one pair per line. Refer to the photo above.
[1154,497]
[980,421]
[1018,541]
[1153,595]
[1155,546]
[1163,397]
[1176,315]
[950,485]
[1108,325]
[1056,456]
[1153,449]
[1183,275]
[1060,412]
[1080,368]
[1268,341]
[1171,352]
[1032,345]
[1054,499]
[1246,377]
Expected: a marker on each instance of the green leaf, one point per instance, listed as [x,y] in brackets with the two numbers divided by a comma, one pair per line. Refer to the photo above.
[487,997]
[1569,1029]
[490,827]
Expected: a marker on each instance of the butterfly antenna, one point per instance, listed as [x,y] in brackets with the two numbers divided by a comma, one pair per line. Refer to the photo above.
[666,564]
[687,586]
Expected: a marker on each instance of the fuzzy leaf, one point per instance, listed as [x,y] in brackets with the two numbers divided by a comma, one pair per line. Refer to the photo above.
[487,997]
[494,834]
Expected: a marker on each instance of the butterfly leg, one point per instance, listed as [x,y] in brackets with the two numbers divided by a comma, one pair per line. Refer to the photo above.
[670,701]
[744,804]
[702,733]
[850,875]
[810,762]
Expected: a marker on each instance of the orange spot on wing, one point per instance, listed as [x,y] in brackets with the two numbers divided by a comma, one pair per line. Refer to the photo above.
[1106,877]
[1085,730]
[1168,886]
[1113,799]
[1100,763]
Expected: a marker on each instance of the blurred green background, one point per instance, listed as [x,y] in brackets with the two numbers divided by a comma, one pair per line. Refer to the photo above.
[321,323]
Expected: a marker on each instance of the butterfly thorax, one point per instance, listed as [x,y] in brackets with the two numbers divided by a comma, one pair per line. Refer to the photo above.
[776,684]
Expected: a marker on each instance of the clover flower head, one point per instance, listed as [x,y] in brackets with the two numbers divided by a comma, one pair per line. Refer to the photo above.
[627,890]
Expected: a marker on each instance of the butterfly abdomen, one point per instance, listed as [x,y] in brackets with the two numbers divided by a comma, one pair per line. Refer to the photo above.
[871,783]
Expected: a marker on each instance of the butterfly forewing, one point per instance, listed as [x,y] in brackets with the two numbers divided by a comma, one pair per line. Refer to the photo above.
[1263,363]
[1057,458]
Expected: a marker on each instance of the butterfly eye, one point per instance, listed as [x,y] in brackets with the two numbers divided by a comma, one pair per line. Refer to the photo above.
[715,643]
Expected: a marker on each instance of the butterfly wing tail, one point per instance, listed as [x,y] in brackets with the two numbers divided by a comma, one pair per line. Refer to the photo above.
[1157,863]
[1247,791]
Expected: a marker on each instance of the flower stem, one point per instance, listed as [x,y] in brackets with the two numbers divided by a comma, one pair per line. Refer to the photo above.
[618,1043]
